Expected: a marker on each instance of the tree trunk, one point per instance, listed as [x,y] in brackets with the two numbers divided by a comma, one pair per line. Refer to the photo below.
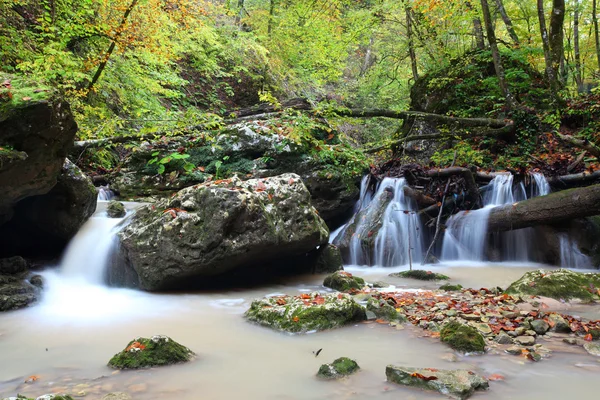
[112,46]
[507,22]
[557,20]
[583,144]
[477,29]
[580,179]
[578,77]
[510,101]
[596,34]
[411,45]
[545,41]
[556,207]
[467,174]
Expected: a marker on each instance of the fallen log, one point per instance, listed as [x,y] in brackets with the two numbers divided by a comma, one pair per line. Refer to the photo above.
[574,179]
[467,174]
[583,144]
[553,208]
[421,199]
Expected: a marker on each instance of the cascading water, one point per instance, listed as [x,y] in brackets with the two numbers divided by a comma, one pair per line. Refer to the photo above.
[386,229]
[570,255]
[105,194]
[466,232]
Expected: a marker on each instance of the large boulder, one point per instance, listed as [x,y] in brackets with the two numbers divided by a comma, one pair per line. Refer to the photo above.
[250,149]
[156,351]
[18,288]
[44,224]
[36,131]
[457,384]
[558,284]
[307,312]
[213,228]
[339,368]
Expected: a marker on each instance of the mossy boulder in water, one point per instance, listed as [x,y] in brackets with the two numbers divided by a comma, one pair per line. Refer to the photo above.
[340,368]
[307,312]
[558,284]
[115,209]
[157,351]
[383,310]
[457,384]
[420,274]
[329,259]
[343,281]
[211,229]
[448,287]
[462,337]
[42,397]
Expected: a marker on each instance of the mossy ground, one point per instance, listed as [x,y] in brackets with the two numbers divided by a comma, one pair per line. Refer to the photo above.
[17,92]
[462,337]
[156,351]
[343,281]
[559,284]
[341,367]
[420,274]
[451,288]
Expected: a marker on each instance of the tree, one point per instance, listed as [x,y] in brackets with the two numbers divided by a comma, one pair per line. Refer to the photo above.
[578,77]
[596,34]
[507,21]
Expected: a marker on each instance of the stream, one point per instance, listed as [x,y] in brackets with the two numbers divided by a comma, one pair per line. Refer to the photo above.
[67,339]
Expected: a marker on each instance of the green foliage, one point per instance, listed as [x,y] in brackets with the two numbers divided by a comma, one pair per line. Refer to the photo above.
[174,162]
[465,155]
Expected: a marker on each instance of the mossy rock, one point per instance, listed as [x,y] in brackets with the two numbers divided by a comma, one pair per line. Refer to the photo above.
[558,284]
[115,209]
[307,312]
[43,397]
[343,281]
[451,288]
[340,368]
[383,310]
[22,92]
[157,351]
[420,274]
[462,337]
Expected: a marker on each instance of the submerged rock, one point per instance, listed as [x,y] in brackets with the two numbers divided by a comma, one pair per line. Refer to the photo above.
[383,310]
[448,287]
[592,348]
[462,337]
[17,291]
[156,351]
[307,312]
[458,384]
[115,209]
[343,281]
[13,265]
[420,274]
[42,397]
[559,284]
[340,368]
[329,259]
[213,228]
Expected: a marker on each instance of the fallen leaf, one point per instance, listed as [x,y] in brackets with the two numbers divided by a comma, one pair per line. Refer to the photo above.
[588,337]
[296,319]
[32,378]
[495,377]
[281,302]
[202,169]
[423,377]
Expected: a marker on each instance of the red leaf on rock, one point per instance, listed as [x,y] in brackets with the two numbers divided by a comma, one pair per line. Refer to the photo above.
[423,377]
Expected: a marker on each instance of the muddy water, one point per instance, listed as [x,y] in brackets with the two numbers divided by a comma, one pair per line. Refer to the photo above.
[68,339]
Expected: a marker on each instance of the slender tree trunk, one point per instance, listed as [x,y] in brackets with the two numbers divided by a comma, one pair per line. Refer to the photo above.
[508,22]
[596,35]
[545,39]
[368,61]
[578,77]
[112,46]
[411,45]
[557,49]
[271,17]
[240,14]
[477,28]
[487,18]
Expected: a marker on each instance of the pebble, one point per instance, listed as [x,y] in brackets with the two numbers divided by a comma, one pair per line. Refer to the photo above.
[503,338]
[592,348]
[540,326]
[514,350]
[525,340]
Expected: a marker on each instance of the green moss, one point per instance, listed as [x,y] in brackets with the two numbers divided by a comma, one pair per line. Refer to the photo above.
[341,367]
[343,281]
[156,351]
[451,288]
[558,284]
[22,92]
[462,337]
[383,310]
[420,274]
[115,209]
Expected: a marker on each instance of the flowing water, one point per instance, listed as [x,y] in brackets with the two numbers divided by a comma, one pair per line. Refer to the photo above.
[571,256]
[105,194]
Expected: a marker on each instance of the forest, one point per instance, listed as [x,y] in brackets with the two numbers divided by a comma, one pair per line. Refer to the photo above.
[294,188]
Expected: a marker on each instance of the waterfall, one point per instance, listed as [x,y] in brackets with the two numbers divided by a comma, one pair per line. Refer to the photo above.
[88,254]
[570,255]
[466,233]
[386,231]
[105,194]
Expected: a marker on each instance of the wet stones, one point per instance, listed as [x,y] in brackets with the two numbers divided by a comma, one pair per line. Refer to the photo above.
[343,281]
[559,284]
[540,326]
[458,384]
[592,348]
[150,352]
[115,209]
[420,274]
[525,340]
[340,368]
[462,337]
[558,323]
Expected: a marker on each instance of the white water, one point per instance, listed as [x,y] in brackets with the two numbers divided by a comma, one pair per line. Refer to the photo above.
[570,255]
[466,236]
[399,240]
[105,194]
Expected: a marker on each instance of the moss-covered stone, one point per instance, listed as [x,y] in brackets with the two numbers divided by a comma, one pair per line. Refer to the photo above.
[343,281]
[458,384]
[340,368]
[448,287]
[115,209]
[420,274]
[17,291]
[383,310]
[42,397]
[329,259]
[153,352]
[462,337]
[558,284]
[307,312]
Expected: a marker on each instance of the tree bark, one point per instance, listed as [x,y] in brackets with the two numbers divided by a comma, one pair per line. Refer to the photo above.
[477,29]
[421,199]
[596,34]
[557,20]
[507,22]
[578,77]
[583,144]
[411,44]
[582,178]
[487,18]
[556,207]
[545,41]
[467,174]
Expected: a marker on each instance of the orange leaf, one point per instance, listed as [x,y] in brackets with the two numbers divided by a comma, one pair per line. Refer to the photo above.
[281,302]
[296,319]
[202,169]
[425,378]
[495,377]
[32,378]
[305,296]
[588,337]
[381,321]
[135,345]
